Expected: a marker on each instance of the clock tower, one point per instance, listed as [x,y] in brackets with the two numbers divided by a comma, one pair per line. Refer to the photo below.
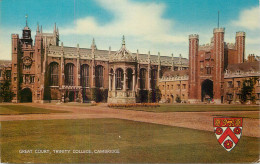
[26,38]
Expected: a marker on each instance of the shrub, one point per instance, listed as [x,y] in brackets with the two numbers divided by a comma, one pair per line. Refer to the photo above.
[133,105]
[99,95]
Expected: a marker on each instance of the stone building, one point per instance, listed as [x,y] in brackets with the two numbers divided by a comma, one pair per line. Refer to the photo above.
[174,84]
[234,77]
[48,71]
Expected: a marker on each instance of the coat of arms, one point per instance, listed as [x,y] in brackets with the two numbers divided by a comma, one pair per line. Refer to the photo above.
[228,131]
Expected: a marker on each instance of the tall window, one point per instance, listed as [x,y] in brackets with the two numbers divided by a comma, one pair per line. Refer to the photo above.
[142,78]
[129,78]
[119,79]
[54,74]
[153,78]
[84,75]
[69,69]
[99,76]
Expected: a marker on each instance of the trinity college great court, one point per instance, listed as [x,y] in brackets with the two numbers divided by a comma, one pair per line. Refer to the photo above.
[46,70]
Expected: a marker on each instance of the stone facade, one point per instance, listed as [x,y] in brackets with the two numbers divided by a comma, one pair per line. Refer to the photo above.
[174,84]
[48,71]
[234,77]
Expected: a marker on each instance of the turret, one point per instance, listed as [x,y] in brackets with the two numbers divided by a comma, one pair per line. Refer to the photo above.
[218,50]
[240,46]
[193,67]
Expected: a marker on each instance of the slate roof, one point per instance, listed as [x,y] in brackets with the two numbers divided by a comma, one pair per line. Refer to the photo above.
[171,73]
[245,67]
[85,53]
[5,63]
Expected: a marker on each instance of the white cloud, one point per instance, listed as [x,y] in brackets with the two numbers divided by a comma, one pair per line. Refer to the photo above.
[249,19]
[5,45]
[141,20]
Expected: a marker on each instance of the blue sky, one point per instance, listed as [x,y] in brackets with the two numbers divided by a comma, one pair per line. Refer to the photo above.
[155,25]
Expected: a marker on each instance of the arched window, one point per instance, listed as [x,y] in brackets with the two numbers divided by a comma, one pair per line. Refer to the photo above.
[129,78]
[142,78]
[54,74]
[69,70]
[84,75]
[153,78]
[119,79]
[99,76]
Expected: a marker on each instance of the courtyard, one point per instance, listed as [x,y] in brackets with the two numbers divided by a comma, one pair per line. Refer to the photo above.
[169,133]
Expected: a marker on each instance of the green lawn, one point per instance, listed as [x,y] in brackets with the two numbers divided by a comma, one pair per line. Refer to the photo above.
[138,142]
[21,109]
[195,108]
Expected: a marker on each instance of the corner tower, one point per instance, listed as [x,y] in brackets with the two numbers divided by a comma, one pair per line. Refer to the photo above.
[193,67]
[240,46]
[218,75]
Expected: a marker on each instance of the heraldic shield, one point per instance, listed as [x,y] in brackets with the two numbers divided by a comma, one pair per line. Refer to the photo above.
[228,131]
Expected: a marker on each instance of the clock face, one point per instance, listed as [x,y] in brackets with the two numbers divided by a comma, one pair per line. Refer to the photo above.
[27,61]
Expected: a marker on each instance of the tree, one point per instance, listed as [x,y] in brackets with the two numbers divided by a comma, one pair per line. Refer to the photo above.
[5,91]
[247,90]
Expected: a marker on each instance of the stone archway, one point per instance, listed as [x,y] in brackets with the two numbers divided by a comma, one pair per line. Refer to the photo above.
[206,90]
[26,95]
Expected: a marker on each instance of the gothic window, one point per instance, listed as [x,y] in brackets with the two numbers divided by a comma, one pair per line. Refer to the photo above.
[54,74]
[69,70]
[153,78]
[142,78]
[84,75]
[119,79]
[129,78]
[99,76]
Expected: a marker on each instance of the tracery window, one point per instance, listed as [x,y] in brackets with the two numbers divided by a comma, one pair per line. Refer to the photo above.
[54,74]
[84,75]
[142,78]
[119,79]
[99,76]
[69,70]
[153,78]
[129,78]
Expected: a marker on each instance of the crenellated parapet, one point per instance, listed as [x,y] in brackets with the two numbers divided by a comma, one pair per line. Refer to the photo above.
[194,36]
[217,30]
[240,33]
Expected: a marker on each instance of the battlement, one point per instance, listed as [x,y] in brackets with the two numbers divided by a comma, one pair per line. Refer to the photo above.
[15,36]
[205,47]
[194,36]
[231,46]
[216,30]
[240,33]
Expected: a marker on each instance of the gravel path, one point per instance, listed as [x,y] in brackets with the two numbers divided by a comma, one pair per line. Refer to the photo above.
[193,120]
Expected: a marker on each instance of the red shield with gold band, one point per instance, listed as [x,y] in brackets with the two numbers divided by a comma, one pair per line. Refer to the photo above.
[228,131]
